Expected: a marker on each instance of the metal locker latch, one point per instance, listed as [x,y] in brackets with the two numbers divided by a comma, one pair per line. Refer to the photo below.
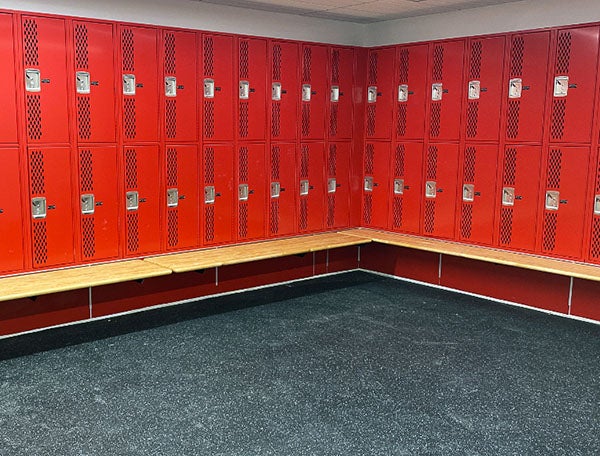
[436,91]
[508,196]
[372,94]
[88,204]
[170,86]
[398,186]
[172,197]
[597,205]
[515,87]
[132,201]
[82,82]
[209,88]
[468,192]
[38,207]
[275,189]
[33,80]
[306,92]
[430,189]
[331,185]
[474,90]
[368,184]
[209,194]
[403,93]
[552,200]
[304,187]
[335,94]
[561,86]
[276,91]
[129,84]
[243,192]
[244,90]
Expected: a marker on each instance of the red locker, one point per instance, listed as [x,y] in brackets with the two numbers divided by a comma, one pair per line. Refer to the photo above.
[312,187]
[341,71]
[565,201]
[252,69]
[314,91]
[180,86]
[527,68]
[284,83]
[217,71]
[282,206]
[142,200]
[479,169]
[98,203]
[441,172]
[376,171]
[573,85]
[447,91]
[338,184]
[94,82]
[251,192]
[11,217]
[380,93]
[139,66]
[45,66]
[407,166]
[519,197]
[51,206]
[484,88]
[181,178]
[8,114]
[218,194]
[593,249]
[412,91]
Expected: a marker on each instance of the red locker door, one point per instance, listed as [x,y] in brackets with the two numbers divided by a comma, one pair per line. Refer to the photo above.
[341,70]
[139,65]
[282,209]
[407,187]
[180,86]
[142,200]
[479,165]
[593,249]
[8,114]
[574,84]
[94,82]
[519,197]
[181,197]
[484,88]
[11,218]
[218,194]
[44,59]
[312,187]
[441,172]
[314,91]
[411,92]
[565,201]
[284,83]
[527,67]
[252,69]
[376,184]
[446,90]
[51,206]
[217,71]
[98,203]
[380,93]
[251,192]
[338,184]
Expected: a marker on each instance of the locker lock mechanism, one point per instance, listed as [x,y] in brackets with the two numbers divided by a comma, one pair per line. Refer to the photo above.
[331,185]
[372,94]
[335,94]
[132,201]
[209,88]
[276,91]
[306,92]
[368,184]
[38,208]
[244,90]
[172,197]
[398,186]
[170,86]
[129,84]
[437,91]
[468,193]
[474,90]
[561,86]
[33,81]
[275,189]
[430,189]
[403,93]
[88,204]
[515,88]
[304,187]
[82,82]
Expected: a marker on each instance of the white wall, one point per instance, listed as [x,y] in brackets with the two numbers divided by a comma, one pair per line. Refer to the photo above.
[523,15]
[201,16]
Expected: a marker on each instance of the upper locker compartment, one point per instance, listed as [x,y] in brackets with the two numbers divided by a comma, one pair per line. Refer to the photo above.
[179,90]
[341,71]
[284,84]
[380,93]
[217,74]
[252,72]
[139,73]
[45,76]
[446,67]
[411,91]
[527,67]
[8,114]
[94,82]
[314,91]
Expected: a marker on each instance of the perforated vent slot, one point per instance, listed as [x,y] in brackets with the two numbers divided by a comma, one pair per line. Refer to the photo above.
[595,247]
[513,116]
[86,171]
[128,50]
[130,118]
[208,47]
[243,120]
[331,210]
[31,43]
[243,220]
[332,160]
[40,243]
[84,124]
[371,114]
[397,212]
[133,232]
[171,118]
[368,208]
[209,165]
[563,54]
[81,46]
[303,220]
[88,227]
[243,164]
[438,63]
[275,163]
[34,117]
[432,157]
[554,169]
[37,170]
[306,64]
[506,224]
[510,166]
[466,221]
[401,120]
[333,120]
[404,66]
[429,225]
[172,167]
[470,159]
[209,223]
[275,120]
[170,54]
[274,216]
[373,64]
[516,57]
[173,227]
[559,108]
[399,158]
[131,169]
[435,120]
[304,162]
[244,59]
[209,119]
[276,63]
[475,67]
[369,159]
[472,118]
[335,66]
[549,237]
[305,119]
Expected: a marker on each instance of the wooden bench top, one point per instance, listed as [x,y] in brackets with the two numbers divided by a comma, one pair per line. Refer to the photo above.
[488,254]
[244,253]
[41,283]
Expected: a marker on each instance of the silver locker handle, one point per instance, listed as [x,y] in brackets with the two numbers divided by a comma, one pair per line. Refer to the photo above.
[275,189]
[170,86]
[33,80]
[82,82]
[398,186]
[38,208]
[209,194]
[331,185]
[129,84]
[243,192]
[172,197]
[430,189]
[209,88]
[88,203]
[368,184]
[304,187]
[132,201]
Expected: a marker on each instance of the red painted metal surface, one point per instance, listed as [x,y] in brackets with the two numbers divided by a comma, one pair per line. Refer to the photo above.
[338,184]
[8,114]
[312,187]
[11,217]
[376,184]
[218,193]
[282,190]
[314,92]
[341,80]
[285,80]
[251,192]
[379,93]
[407,188]
[584,301]
[252,71]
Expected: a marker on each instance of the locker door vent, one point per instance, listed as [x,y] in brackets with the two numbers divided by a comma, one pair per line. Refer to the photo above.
[466,221]
[275,120]
[369,159]
[435,120]
[404,66]
[38,181]
[397,208]
[371,114]
[475,67]
[563,55]
[30,36]
[333,120]
[86,171]
[243,220]
[429,225]
[438,63]
[401,121]
[332,160]
[84,124]
[303,214]
[335,66]
[172,167]
[330,210]
[128,50]
[243,126]
[368,208]
[304,161]
[275,163]
[276,62]
[88,237]
[510,166]
[554,169]
[595,247]
[432,158]
[170,54]
[81,46]
[559,107]
[373,64]
[399,160]
[243,164]
[307,65]
[472,118]
[209,165]
[131,169]
[512,122]
[549,242]
[133,230]
[305,119]
[209,68]
[209,223]
[506,223]
[209,119]
[173,227]
[274,216]
[171,118]
[470,158]
[34,117]
[129,118]
[40,243]
[244,60]
[516,57]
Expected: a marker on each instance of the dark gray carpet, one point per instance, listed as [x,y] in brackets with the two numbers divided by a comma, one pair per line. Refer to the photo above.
[346,365]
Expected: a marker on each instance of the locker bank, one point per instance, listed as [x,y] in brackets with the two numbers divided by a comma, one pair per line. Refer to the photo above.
[316,205]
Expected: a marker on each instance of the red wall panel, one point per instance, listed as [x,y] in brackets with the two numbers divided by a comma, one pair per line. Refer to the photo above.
[584,300]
